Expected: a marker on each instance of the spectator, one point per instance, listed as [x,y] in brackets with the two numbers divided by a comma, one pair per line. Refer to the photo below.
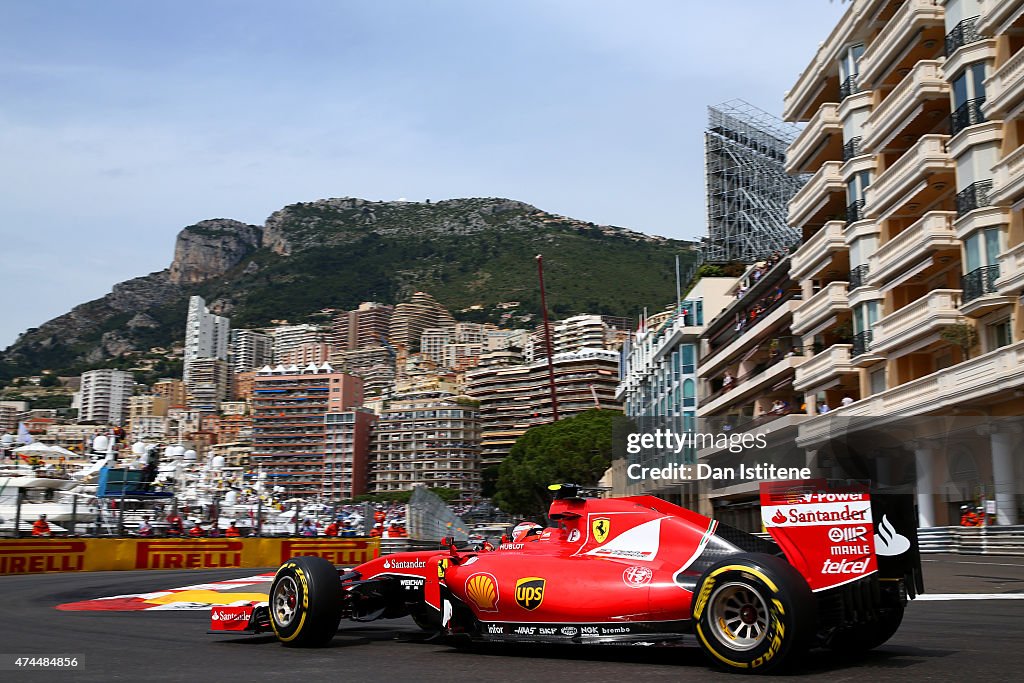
[40,527]
[232,530]
[347,531]
[728,381]
[196,531]
[779,407]
[145,528]
[846,400]
[308,529]
[823,408]
[332,529]
[174,525]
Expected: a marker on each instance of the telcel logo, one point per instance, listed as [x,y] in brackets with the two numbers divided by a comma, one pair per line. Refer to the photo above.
[844,566]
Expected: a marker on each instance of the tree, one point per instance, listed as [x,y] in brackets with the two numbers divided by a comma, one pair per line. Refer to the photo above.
[961,334]
[577,449]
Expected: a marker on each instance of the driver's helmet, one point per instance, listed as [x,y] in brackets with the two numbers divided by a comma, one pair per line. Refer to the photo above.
[526,531]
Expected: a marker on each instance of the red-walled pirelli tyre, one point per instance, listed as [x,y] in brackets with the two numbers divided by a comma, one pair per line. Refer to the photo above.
[305,602]
[753,613]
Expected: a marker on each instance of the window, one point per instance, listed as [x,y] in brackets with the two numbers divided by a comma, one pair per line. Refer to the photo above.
[688,355]
[982,248]
[689,395]
[1000,334]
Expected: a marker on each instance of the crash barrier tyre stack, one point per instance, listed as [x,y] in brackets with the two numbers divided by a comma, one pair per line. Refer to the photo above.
[71,554]
[990,540]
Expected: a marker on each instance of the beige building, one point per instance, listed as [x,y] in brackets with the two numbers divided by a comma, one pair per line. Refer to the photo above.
[911,268]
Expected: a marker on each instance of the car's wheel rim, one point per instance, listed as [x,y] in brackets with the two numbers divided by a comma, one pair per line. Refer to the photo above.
[739,616]
[285,600]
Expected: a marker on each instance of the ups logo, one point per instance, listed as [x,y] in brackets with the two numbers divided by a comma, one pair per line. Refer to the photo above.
[530,592]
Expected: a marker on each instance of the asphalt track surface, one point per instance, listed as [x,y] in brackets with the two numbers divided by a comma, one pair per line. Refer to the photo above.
[940,640]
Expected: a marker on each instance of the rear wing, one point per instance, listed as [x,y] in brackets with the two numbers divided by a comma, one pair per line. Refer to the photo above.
[837,532]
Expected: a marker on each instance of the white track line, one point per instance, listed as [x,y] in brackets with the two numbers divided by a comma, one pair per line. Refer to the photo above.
[971,596]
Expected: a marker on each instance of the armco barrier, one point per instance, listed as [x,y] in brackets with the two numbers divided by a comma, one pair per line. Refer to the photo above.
[41,555]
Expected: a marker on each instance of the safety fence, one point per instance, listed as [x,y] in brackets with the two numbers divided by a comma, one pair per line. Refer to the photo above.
[989,540]
[38,556]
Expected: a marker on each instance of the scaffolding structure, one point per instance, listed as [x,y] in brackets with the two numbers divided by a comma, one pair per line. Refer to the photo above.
[746,184]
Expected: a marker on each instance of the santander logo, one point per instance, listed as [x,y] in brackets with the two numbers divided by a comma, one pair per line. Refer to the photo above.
[888,541]
[779,518]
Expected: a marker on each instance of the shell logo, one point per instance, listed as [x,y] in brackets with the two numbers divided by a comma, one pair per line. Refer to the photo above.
[482,589]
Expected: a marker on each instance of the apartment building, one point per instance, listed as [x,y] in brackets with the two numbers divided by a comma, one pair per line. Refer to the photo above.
[104,396]
[289,338]
[173,391]
[515,397]
[362,328]
[347,453]
[913,237]
[250,350]
[412,317]
[289,409]
[427,438]
[659,385]
[207,384]
[206,334]
[375,365]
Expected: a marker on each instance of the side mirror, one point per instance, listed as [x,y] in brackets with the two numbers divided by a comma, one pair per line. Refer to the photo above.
[448,542]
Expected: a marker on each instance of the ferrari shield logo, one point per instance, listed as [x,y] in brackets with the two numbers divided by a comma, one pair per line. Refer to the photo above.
[530,592]
[599,528]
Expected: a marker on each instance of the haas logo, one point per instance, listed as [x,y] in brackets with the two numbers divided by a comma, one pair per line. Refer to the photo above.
[888,541]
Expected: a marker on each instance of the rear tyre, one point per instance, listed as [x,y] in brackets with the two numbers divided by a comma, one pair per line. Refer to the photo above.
[753,613]
[305,602]
[864,637]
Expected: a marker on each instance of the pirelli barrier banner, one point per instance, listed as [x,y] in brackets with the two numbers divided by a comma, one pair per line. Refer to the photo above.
[41,555]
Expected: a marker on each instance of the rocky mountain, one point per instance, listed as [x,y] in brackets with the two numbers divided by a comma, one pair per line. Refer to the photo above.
[471,254]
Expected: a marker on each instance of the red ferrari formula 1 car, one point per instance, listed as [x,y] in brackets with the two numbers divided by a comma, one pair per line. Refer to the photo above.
[838,572]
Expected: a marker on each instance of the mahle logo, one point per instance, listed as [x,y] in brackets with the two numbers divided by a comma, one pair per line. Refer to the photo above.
[530,592]
[600,528]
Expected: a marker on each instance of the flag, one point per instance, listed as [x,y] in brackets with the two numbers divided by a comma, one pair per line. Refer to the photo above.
[23,435]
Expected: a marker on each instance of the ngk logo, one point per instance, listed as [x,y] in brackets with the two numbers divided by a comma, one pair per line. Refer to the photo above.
[188,554]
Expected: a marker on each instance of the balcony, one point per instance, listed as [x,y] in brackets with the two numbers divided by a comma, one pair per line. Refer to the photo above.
[861,343]
[972,197]
[852,148]
[981,295]
[966,383]
[1008,178]
[814,199]
[932,233]
[824,367]
[855,211]
[816,252]
[898,37]
[849,87]
[917,324]
[1011,270]
[962,34]
[909,176]
[1005,88]
[752,386]
[859,276]
[967,114]
[828,301]
[905,104]
[819,139]
[998,15]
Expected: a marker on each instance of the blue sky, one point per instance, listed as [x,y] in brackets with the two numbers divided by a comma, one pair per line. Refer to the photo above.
[122,122]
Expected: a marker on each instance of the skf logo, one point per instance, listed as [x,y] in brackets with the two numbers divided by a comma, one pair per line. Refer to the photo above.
[341,551]
[482,589]
[600,528]
[530,592]
[36,557]
[175,554]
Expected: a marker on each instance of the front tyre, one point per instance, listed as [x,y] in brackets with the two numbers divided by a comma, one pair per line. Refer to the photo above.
[305,602]
[753,613]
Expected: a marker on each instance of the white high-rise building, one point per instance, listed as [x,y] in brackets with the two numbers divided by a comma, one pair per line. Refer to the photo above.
[289,338]
[104,396]
[206,334]
[250,350]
